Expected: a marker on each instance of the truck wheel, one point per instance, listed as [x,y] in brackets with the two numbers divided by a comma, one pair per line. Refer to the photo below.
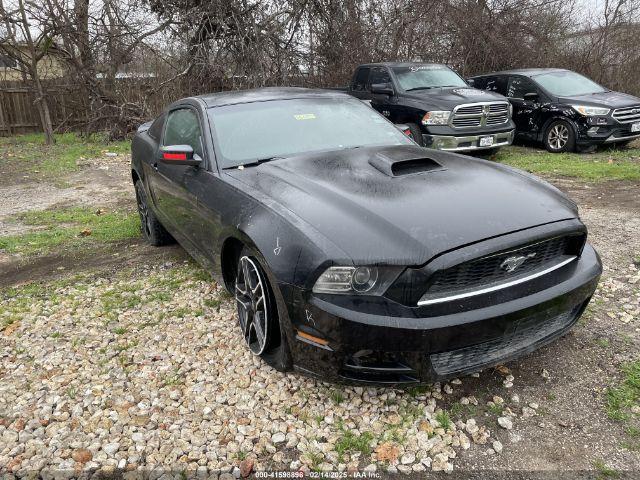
[559,137]
[416,133]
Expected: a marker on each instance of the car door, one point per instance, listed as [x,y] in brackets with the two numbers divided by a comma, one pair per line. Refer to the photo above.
[381,102]
[525,110]
[169,184]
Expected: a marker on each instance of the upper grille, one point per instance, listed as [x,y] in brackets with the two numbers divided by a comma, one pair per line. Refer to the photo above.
[480,114]
[628,114]
[489,270]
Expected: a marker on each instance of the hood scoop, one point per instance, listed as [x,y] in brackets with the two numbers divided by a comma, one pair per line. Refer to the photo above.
[402,161]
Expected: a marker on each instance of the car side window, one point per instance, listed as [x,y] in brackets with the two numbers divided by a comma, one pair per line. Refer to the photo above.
[155,130]
[519,86]
[183,128]
[360,82]
[379,75]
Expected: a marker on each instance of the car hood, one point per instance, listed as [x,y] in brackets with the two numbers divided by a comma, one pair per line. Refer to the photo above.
[377,218]
[448,97]
[604,99]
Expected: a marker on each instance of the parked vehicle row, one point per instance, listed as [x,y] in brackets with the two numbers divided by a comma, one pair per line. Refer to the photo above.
[559,108]
[354,254]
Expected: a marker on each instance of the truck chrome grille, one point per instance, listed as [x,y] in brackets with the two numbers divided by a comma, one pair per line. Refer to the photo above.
[627,115]
[501,270]
[480,114]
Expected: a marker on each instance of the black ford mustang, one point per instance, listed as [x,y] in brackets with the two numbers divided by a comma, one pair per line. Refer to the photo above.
[354,254]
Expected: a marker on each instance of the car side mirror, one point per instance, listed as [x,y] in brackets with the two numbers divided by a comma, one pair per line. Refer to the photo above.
[531,96]
[382,89]
[179,155]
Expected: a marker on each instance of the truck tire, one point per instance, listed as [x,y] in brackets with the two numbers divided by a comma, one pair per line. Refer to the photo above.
[416,133]
[559,137]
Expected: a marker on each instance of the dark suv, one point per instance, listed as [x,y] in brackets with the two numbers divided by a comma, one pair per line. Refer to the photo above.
[563,109]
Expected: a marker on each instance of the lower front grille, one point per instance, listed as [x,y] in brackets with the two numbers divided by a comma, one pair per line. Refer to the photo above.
[521,336]
[377,367]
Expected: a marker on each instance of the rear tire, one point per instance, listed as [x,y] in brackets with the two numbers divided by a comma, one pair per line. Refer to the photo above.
[559,137]
[416,133]
[152,230]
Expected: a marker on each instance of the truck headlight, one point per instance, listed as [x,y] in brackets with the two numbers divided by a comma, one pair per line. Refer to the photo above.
[590,111]
[356,280]
[436,117]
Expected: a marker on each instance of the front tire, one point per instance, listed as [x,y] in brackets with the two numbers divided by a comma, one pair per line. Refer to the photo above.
[152,230]
[257,312]
[560,137]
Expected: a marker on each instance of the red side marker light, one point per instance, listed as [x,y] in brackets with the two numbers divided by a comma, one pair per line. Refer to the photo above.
[174,156]
[407,132]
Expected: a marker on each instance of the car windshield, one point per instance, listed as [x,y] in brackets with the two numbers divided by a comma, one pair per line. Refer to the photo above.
[418,77]
[253,132]
[566,84]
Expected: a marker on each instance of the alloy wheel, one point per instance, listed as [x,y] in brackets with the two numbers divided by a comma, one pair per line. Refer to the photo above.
[251,300]
[558,136]
[143,210]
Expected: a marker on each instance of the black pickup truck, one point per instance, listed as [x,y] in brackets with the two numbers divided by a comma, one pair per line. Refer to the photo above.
[437,105]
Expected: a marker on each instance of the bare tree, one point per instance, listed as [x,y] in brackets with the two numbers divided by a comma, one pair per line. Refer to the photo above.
[27,44]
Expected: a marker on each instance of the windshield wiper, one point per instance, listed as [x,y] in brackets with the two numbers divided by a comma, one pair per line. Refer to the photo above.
[253,163]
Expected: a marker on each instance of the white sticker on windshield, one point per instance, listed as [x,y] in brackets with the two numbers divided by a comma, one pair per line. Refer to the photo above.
[305,116]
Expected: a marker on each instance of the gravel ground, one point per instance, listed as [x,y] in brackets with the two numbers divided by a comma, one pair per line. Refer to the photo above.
[95,376]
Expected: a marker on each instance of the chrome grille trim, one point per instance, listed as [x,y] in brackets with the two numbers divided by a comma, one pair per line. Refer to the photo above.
[627,114]
[479,114]
[494,288]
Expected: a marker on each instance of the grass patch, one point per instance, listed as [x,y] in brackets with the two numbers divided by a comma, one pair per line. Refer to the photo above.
[71,227]
[606,164]
[444,419]
[604,471]
[349,442]
[31,154]
[622,398]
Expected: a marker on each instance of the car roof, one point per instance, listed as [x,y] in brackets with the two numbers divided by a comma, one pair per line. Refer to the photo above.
[400,64]
[527,72]
[266,94]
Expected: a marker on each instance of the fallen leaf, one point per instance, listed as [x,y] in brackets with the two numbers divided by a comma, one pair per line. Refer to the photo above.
[387,452]
[503,370]
[85,233]
[100,211]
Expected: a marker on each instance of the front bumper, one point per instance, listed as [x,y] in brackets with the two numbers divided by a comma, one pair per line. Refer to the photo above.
[467,143]
[427,344]
[603,130]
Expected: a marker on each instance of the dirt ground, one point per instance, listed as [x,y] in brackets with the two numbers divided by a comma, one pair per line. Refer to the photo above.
[568,379]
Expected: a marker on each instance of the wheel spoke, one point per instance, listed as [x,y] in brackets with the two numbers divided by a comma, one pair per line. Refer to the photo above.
[258,328]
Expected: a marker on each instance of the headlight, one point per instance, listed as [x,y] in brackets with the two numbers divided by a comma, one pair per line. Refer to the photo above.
[436,117]
[356,280]
[590,111]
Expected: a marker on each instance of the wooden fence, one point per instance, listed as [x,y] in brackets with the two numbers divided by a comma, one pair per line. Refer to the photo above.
[19,112]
